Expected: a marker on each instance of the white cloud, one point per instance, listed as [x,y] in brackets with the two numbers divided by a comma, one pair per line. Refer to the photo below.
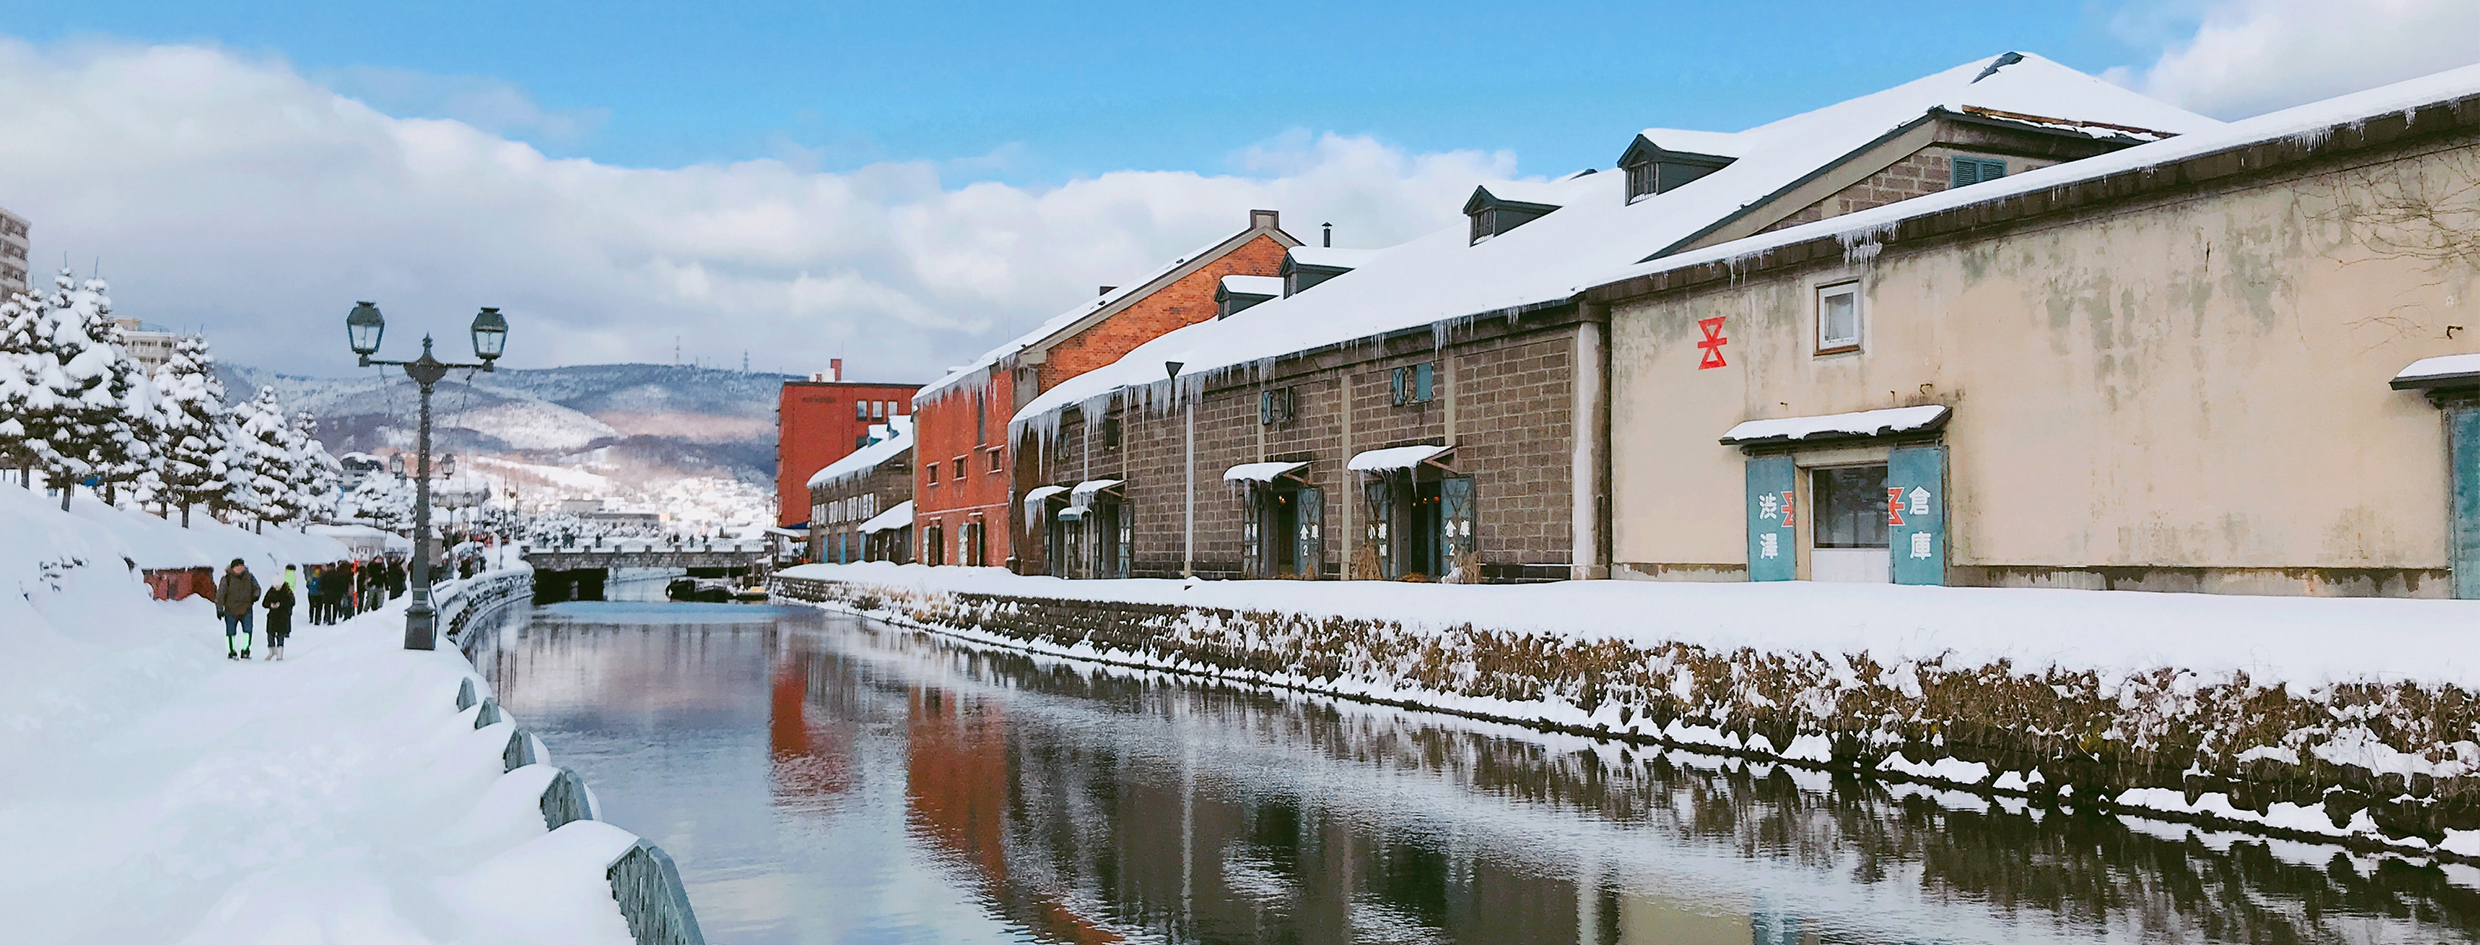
[234,194]
[2247,57]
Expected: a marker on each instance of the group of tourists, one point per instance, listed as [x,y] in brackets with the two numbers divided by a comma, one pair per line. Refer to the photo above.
[333,593]
[338,591]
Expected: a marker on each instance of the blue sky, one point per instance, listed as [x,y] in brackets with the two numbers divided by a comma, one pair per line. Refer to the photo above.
[904,185]
[1034,93]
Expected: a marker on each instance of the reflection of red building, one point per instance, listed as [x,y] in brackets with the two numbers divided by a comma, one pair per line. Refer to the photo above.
[817,422]
[957,786]
[808,760]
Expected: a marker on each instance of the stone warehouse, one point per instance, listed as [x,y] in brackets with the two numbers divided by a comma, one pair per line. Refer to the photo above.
[1438,410]
[2233,361]
[861,505]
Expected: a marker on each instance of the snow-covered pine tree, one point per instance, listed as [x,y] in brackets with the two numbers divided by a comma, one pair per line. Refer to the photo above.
[86,410]
[192,428]
[254,466]
[19,339]
[314,472]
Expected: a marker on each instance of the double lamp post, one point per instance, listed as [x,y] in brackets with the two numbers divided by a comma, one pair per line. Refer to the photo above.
[362,329]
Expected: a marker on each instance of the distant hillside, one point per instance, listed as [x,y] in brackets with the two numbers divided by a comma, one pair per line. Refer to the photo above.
[638,422]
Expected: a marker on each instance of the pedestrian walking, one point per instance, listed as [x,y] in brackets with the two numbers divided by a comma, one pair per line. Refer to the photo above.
[314,593]
[235,594]
[279,603]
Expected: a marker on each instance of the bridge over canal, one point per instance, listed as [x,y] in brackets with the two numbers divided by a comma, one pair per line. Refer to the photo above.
[578,570]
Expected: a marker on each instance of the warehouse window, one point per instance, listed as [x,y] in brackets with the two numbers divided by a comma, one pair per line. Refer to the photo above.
[1415,384]
[1969,171]
[1838,318]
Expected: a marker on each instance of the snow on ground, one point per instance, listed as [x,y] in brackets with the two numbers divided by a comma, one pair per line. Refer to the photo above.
[2304,640]
[156,792]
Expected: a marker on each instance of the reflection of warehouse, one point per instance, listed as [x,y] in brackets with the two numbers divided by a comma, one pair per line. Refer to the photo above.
[2175,368]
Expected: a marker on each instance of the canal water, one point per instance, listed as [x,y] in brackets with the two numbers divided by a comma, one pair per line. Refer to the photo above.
[821,778]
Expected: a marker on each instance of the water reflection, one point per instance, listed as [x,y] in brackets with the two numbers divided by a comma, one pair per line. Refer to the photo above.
[823,780]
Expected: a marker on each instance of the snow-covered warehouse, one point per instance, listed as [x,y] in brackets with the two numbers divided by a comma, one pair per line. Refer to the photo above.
[1436,410]
[2198,364]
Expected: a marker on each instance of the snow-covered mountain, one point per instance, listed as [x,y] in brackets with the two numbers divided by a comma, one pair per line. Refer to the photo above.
[640,425]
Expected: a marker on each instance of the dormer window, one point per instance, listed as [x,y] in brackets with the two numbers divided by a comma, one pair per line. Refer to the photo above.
[1235,293]
[1653,169]
[1492,215]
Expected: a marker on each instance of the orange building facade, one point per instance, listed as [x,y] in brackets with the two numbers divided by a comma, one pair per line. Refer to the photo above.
[964,495]
[820,421]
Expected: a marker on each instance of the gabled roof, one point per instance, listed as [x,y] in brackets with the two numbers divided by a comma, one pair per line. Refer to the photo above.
[1260,286]
[861,461]
[1444,276]
[2313,122]
[1067,324]
[1705,146]
[1543,196]
[1328,257]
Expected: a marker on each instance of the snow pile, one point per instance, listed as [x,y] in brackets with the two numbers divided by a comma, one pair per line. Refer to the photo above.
[157,792]
[2358,714]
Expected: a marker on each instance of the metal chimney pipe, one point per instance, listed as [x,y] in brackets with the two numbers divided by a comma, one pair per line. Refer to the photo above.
[1330,234]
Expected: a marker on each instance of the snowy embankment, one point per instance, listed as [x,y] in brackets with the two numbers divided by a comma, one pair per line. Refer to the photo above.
[156,792]
[2348,720]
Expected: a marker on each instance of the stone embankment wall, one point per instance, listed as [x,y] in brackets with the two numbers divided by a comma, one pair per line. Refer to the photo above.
[644,882]
[2371,765]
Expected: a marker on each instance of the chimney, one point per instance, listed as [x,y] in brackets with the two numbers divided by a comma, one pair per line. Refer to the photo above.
[1105,290]
[1330,234]
[836,366]
[1265,220]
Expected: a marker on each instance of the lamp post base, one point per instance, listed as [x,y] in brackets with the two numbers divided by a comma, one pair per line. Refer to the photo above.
[421,622]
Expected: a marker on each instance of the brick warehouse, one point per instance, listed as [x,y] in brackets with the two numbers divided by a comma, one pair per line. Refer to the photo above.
[821,420]
[1474,443]
[861,505]
[964,486]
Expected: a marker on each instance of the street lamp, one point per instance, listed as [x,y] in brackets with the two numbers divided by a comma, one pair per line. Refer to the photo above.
[363,329]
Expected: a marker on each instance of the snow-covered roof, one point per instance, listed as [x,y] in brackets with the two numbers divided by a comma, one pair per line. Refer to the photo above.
[2445,371]
[1838,425]
[1328,257]
[966,375]
[1260,472]
[1395,458]
[1085,491]
[2304,122]
[1728,144]
[897,516]
[1444,276]
[1253,285]
[1556,193]
[897,442]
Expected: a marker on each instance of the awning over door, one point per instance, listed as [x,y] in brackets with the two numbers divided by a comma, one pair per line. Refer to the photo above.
[900,516]
[1085,492]
[2453,370]
[1397,458]
[1038,497]
[1261,472]
[1839,426]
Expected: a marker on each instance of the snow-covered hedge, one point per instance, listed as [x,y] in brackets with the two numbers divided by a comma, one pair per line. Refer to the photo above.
[2281,734]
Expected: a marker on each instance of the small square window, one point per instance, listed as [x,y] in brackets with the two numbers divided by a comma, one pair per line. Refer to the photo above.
[959,461]
[1969,171]
[1838,317]
[1415,384]
[861,410]
[1274,406]
[1110,433]
[994,460]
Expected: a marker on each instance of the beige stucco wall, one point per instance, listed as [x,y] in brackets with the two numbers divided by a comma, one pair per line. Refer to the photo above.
[2189,383]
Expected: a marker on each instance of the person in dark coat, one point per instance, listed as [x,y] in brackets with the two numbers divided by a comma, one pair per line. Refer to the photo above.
[279,603]
[235,594]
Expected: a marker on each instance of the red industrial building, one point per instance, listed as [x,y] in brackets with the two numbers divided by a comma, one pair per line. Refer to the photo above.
[817,422]
[964,495]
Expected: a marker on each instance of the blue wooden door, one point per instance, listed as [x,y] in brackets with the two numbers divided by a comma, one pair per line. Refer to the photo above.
[1916,514]
[1773,519]
[2463,443]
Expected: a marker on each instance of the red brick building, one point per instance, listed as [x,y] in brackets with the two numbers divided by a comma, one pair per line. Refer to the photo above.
[964,497]
[819,421]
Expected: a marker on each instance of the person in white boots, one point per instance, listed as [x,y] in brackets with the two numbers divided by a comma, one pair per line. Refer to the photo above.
[279,603]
